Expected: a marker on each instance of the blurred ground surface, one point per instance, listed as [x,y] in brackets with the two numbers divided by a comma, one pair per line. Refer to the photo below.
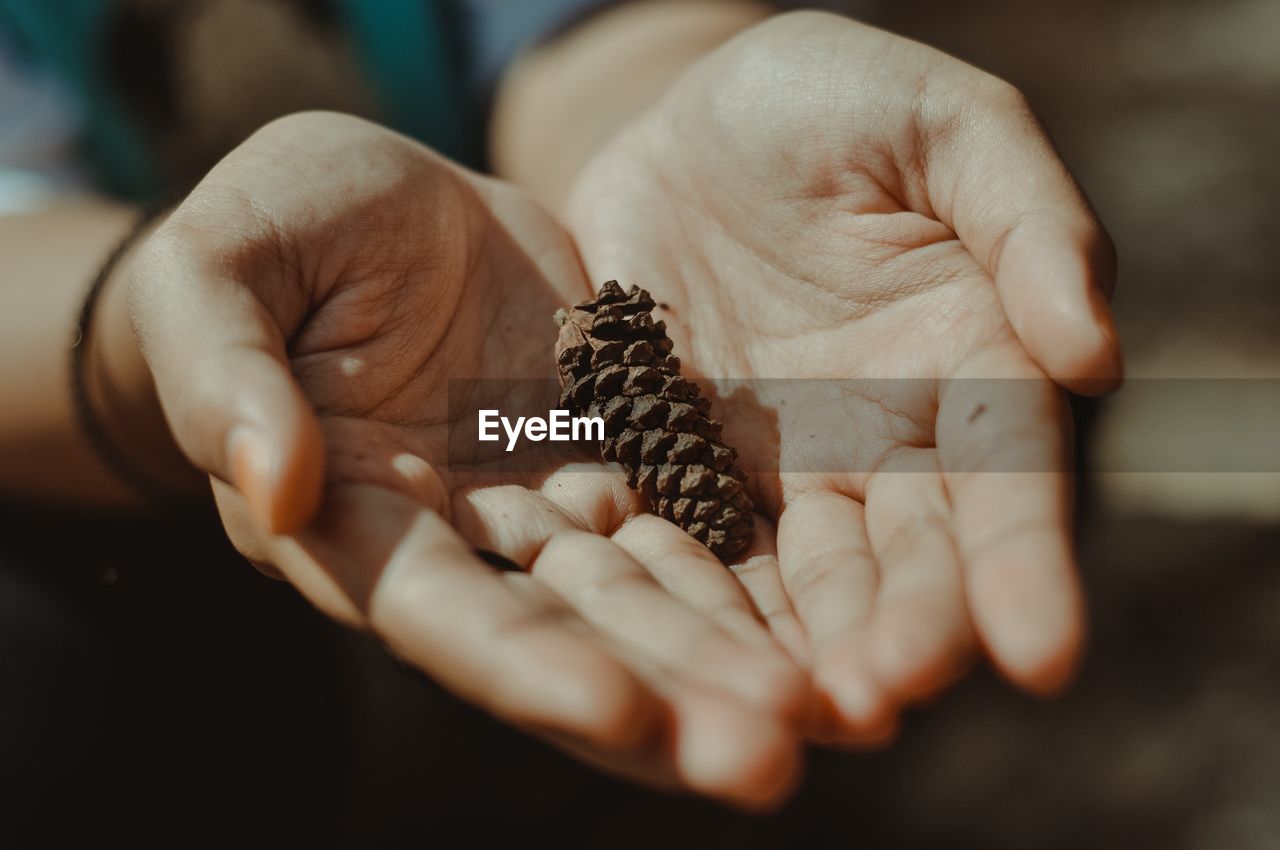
[200,698]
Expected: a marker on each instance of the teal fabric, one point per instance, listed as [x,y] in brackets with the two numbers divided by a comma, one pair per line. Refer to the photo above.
[63,36]
[407,55]
[404,45]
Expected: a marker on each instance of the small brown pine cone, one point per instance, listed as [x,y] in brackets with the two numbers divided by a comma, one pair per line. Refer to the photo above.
[615,362]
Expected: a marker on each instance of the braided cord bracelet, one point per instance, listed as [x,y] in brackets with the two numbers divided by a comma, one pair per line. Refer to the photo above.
[90,424]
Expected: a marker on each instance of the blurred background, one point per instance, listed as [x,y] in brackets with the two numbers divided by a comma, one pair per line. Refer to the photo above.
[1169,113]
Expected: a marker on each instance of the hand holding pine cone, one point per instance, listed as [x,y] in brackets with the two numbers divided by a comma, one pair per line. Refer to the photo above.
[615,362]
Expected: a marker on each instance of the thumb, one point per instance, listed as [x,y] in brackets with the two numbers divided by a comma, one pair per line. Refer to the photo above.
[222,374]
[998,182]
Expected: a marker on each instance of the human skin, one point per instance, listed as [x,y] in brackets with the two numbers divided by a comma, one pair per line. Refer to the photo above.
[302,313]
[820,199]
[51,255]
[675,685]
[341,495]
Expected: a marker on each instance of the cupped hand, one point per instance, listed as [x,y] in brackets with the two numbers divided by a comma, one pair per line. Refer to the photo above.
[822,200]
[302,312]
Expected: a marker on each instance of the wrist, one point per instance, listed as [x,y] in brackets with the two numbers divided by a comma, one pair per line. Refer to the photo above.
[565,101]
[121,392]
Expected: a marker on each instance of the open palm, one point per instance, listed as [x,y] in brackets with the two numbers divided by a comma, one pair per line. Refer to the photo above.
[303,312]
[820,200]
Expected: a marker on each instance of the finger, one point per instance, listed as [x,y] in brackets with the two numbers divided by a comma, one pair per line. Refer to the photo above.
[921,637]
[223,379]
[995,178]
[688,571]
[604,505]
[250,537]
[710,742]
[831,578]
[723,749]
[711,745]
[1003,446]
[615,593]
[498,640]
[757,570]
[509,645]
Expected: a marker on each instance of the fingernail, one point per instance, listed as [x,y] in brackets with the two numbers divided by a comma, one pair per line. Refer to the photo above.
[251,469]
[864,712]
[1090,349]
[1110,335]
[1065,278]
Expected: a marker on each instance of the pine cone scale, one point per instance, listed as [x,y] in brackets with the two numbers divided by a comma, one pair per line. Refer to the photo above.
[615,362]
